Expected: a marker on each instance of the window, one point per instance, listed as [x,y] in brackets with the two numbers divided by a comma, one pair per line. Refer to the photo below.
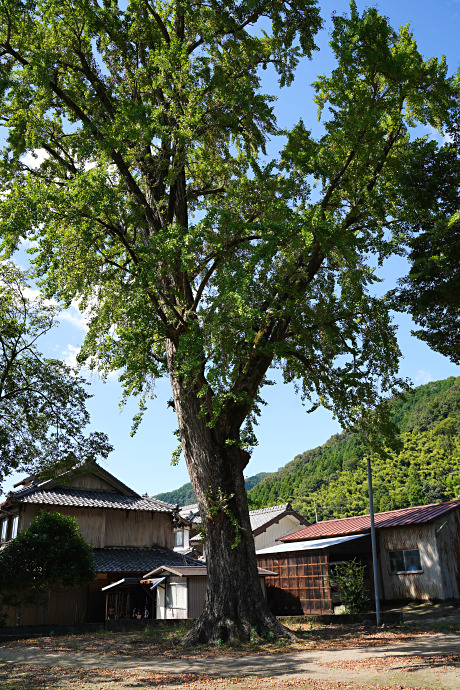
[407,561]
[4,529]
[176,595]
[179,537]
[12,532]
[14,526]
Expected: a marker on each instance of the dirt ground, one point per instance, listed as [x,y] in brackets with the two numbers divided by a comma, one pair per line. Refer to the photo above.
[422,653]
[427,612]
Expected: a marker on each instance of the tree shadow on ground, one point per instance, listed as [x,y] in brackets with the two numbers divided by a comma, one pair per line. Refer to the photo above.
[62,678]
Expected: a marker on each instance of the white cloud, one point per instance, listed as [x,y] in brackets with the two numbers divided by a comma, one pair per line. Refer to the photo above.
[423,376]
[69,356]
[27,244]
[72,315]
[33,159]
[444,138]
[75,318]
[34,294]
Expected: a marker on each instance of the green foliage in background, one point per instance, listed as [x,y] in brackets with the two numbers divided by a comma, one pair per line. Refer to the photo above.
[42,403]
[425,470]
[185,495]
[50,553]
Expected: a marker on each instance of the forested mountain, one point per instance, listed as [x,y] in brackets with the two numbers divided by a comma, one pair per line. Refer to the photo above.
[185,495]
[426,470]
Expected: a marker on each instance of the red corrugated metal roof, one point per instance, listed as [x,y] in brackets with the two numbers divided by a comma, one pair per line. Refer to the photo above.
[362,523]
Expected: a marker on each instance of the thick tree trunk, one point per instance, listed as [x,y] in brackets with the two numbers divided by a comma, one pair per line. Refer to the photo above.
[235,605]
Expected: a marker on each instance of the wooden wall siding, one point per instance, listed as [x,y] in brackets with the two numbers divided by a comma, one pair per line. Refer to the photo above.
[447,531]
[67,607]
[425,585]
[91,521]
[196,595]
[88,481]
[301,584]
[262,584]
[28,512]
[286,525]
[103,527]
[138,528]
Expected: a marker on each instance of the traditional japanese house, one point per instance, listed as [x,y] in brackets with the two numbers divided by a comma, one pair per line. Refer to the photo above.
[418,557]
[130,534]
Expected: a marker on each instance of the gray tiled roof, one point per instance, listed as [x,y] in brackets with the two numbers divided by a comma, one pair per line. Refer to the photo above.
[258,517]
[263,515]
[86,498]
[190,513]
[142,560]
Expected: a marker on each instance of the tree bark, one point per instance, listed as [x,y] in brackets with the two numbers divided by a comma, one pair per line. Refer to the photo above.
[235,606]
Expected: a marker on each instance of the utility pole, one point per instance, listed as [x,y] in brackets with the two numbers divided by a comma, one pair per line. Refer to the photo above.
[374,544]
[316,512]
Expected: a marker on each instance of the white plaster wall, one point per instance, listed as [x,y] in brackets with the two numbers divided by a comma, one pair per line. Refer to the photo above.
[286,525]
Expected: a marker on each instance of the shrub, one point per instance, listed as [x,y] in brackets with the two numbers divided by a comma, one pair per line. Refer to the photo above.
[349,578]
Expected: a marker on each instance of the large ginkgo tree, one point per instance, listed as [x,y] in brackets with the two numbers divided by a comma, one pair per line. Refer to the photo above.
[153,203]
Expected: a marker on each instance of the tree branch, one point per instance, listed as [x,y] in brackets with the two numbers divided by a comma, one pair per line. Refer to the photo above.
[159,22]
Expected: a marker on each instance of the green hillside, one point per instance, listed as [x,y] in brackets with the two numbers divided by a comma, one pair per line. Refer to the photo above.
[426,470]
[185,495]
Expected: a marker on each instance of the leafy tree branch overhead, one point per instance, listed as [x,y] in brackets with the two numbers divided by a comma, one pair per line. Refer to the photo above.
[196,258]
[42,404]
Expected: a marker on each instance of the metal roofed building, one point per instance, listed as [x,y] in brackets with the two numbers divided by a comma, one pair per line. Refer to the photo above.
[418,553]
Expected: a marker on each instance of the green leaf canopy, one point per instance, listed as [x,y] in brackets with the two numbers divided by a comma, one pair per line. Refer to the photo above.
[152,207]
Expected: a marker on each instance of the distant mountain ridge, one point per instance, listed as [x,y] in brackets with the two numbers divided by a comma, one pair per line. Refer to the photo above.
[333,476]
[185,495]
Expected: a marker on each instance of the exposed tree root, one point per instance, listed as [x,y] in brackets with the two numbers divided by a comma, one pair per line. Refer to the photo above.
[212,630]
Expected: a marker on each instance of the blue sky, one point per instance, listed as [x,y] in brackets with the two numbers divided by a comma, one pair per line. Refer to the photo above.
[143,462]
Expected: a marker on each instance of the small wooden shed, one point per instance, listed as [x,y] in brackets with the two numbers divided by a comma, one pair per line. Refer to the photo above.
[176,591]
[180,590]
